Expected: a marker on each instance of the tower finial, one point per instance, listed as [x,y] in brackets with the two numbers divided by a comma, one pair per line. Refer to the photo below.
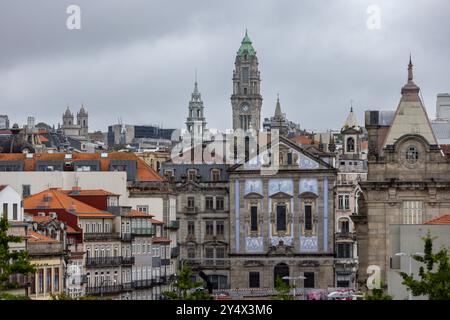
[410,69]
[351,105]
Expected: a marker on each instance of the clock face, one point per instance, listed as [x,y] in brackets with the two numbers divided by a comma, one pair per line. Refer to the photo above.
[244,107]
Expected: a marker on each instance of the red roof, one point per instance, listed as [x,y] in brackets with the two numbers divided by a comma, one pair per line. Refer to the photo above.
[86,192]
[161,240]
[138,214]
[154,221]
[56,199]
[37,237]
[445,219]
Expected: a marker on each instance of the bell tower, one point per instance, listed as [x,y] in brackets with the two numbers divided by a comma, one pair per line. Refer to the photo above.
[246,99]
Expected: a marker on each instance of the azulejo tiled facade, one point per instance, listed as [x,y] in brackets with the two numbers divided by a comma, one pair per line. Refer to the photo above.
[282,224]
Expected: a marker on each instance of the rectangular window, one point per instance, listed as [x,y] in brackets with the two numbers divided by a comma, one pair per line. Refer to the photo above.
[15,211]
[215,175]
[26,190]
[220,254]
[209,228]
[253,279]
[143,209]
[191,228]
[209,203]
[412,212]
[340,202]
[191,252]
[191,202]
[308,217]
[209,255]
[281,218]
[192,175]
[5,211]
[41,280]
[289,158]
[254,218]
[309,280]
[245,74]
[56,279]
[220,228]
[346,202]
[344,250]
[219,203]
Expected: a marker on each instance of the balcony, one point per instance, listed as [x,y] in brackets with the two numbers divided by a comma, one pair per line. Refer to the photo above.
[217,263]
[126,237]
[345,235]
[128,286]
[127,260]
[99,290]
[101,236]
[191,210]
[103,262]
[141,284]
[175,252]
[143,231]
[174,224]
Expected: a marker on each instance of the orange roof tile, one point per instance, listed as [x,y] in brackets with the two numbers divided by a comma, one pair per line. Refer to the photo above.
[87,192]
[43,139]
[37,237]
[55,199]
[154,221]
[161,240]
[137,214]
[302,139]
[71,230]
[445,219]
[42,218]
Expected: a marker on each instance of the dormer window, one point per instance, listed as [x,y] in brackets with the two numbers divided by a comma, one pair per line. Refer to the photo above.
[192,175]
[215,175]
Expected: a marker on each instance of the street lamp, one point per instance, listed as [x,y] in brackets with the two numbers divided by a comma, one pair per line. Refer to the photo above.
[402,254]
[293,280]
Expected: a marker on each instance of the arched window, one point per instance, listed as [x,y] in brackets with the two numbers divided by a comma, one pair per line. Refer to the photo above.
[350,145]
[412,155]
[344,225]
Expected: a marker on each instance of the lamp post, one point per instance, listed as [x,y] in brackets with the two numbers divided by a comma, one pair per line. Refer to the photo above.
[293,280]
[402,254]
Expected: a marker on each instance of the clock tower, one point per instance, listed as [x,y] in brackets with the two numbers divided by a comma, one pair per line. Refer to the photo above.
[246,99]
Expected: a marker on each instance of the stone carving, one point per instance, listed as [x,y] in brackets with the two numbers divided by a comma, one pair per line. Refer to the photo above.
[275,240]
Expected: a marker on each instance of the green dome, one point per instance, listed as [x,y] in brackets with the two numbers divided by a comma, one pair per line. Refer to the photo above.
[246,46]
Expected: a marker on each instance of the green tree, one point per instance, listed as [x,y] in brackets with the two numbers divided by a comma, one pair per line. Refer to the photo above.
[283,289]
[11,263]
[378,294]
[434,279]
[186,288]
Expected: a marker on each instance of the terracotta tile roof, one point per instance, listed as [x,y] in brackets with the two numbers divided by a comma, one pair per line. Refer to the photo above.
[161,240]
[70,230]
[42,138]
[364,145]
[445,219]
[42,218]
[302,140]
[87,192]
[137,214]
[154,221]
[55,199]
[144,171]
[35,237]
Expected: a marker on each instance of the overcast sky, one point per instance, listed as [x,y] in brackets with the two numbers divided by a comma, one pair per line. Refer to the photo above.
[135,59]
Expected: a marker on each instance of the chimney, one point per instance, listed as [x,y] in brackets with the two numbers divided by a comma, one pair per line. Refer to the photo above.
[72,208]
[75,190]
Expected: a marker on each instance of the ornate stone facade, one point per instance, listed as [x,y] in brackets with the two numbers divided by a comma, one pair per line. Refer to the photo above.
[408,179]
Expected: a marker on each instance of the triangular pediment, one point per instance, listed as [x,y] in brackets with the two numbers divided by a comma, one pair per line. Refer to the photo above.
[301,158]
[253,195]
[280,195]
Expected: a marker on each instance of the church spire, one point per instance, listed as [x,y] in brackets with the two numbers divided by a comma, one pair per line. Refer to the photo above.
[278,113]
[410,69]
[410,87]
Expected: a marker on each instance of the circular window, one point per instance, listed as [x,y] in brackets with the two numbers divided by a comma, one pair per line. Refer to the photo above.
[412,155]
